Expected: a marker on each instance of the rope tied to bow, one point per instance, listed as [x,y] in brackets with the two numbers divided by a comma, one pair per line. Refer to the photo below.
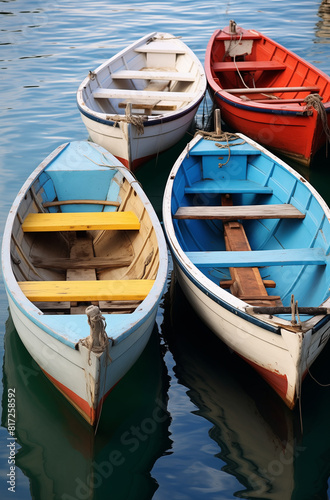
[315,101]
[98,340]
[136,120]
[226,137]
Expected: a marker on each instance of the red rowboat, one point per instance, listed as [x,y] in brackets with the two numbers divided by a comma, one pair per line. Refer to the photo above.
[268,92]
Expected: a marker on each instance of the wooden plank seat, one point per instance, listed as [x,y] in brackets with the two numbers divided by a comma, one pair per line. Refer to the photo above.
[259,258]
[80,263]
[148,95]
[80,221]
[86,291]
[141,104]
[280,101]
[57,203]
[160,48]
[209,186]
[229,283]
[241,34]
[152,75]
[231,213]
[265,90]
[248,66]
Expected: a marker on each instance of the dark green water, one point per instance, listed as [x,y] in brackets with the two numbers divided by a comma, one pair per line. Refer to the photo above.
[190,421]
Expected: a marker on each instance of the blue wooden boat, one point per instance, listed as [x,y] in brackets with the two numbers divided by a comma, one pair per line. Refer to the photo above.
[84,261]
[250,242]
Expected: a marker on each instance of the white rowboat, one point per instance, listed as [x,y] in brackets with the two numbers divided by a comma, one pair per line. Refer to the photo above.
[84,262]
[143,100]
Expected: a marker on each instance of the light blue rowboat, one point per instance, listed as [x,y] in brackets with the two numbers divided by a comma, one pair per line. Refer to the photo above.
[84,261]
[250,242]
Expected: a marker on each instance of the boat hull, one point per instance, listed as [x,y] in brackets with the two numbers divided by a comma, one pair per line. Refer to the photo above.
[133,149]
[281,358]
[84,378]
[273,128]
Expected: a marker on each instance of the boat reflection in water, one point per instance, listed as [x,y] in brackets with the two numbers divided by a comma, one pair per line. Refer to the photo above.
[260,439]
[323,26]
[60,454]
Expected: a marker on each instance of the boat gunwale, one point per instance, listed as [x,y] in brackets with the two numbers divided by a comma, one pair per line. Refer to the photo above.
[148,121]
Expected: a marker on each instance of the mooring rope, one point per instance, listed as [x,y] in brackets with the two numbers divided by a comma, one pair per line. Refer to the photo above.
[315,101]
[226,137]
[136,120]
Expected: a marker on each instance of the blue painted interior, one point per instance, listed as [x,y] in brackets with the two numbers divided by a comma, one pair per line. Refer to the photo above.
[82,171]
[253,178]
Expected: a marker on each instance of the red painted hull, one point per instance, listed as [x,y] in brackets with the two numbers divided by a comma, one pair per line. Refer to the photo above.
[289,126]
[90,414]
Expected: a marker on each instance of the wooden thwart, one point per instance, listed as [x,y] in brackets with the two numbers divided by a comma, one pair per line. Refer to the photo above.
[156,105]
[152,75]
[272,89]
[225,186]
[86,291]
[231,213]
[144,94]
[260,258]
[79,263]
[57,203]
[229,283]
[80,221]
[248,66]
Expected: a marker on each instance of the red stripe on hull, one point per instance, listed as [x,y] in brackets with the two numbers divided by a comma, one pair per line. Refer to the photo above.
[277,381]
[91,415]
[79,403]
[136,163]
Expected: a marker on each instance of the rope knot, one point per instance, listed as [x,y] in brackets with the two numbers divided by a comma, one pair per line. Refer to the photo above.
[315,101]
[98,339]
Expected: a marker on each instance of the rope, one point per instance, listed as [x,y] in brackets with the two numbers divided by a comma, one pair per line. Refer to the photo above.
[315,101]
[319,383]
[136,120]
[98,340]
[226,137]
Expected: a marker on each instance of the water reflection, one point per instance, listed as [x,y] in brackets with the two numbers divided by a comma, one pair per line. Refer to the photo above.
[59,452]
[260,440]
[323,26]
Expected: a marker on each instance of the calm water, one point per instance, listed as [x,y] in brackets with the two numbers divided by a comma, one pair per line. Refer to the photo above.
[190,421]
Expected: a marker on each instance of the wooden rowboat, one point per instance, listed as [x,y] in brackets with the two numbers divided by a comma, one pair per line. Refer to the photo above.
[239,222]
[143,100]
[81,238]
[268,93]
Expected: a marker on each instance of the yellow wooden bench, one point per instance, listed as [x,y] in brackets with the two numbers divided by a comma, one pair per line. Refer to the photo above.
[80,221]
[86,291]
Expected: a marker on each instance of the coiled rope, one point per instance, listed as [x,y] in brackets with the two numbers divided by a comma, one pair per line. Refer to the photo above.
[226,137]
